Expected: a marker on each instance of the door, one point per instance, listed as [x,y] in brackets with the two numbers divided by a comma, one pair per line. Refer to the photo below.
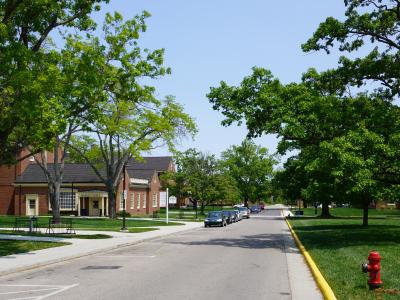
[94,207]
[32,205]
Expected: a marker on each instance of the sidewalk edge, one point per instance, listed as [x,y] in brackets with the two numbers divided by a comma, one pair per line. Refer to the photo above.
[323,285]
[77,256]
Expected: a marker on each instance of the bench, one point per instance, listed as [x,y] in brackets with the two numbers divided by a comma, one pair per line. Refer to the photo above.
[22,223]
[64,226]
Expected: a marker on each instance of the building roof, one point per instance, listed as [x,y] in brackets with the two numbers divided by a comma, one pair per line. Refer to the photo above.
[77,173]
[157,163]
[83,173]
[141,174]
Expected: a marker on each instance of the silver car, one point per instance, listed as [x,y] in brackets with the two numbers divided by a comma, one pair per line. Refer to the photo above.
[244,212]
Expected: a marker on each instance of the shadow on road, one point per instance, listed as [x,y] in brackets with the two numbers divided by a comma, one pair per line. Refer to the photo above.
[258,241]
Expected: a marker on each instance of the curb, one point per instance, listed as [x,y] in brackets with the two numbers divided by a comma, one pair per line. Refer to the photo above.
[68,258]
[321,282]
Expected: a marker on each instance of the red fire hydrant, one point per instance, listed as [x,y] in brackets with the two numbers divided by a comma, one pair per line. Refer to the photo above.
[374,269]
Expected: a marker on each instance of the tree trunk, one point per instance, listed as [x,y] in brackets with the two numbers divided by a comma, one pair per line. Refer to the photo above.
[365,214]
[202,207]
[112,203]
[54,195]
[325,210]
[246,202]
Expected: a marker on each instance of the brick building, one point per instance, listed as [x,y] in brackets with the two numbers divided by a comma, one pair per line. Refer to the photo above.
[23,188]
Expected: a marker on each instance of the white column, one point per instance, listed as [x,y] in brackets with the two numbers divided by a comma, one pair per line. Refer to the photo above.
[79,204]
[102,206]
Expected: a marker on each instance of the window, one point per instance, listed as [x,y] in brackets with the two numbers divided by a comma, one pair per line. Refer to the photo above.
[32,204]
[132,200]
[154,200]
[67,200]
[144,200]
[138,200]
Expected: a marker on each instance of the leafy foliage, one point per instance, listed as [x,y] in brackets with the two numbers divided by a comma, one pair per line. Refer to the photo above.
[200,178]
[31,82]
[129,118]
[371,25]
[251,167]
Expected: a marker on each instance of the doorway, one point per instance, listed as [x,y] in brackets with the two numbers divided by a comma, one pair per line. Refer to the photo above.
[32,205]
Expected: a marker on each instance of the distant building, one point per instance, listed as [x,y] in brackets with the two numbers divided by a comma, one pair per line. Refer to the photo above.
[24,190]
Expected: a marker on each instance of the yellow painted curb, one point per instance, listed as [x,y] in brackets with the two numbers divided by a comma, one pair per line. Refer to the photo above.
[321,282]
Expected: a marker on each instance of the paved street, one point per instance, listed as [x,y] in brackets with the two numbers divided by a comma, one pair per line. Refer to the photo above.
[245,260]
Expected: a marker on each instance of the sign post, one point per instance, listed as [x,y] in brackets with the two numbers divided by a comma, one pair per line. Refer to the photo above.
[167,205]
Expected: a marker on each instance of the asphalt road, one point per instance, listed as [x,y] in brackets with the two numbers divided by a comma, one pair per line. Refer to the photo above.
[245,260]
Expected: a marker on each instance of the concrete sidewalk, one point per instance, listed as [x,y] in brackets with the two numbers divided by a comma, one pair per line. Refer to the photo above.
[80,247]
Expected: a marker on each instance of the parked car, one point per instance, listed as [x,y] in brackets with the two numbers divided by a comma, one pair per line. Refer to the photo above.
[255,209]
[215,218]
[229,215]
[245,212]
[238,214]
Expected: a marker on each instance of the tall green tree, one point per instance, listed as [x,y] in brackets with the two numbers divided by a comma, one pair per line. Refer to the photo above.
[29,73]
[131,119]
[200,177]
[76,108]
[304,115]
[252,167]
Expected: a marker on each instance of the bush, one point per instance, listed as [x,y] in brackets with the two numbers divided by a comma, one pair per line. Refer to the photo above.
[121,214]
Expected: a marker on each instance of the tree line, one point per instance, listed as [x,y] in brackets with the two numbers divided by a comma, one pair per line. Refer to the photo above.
[242,174]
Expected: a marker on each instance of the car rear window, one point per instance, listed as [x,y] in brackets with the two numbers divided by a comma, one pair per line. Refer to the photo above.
[214,214]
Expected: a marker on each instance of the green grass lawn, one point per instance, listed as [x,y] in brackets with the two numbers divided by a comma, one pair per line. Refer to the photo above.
[92,223]
[339,246]
[8,247]
[65,236]
[354,212]
[139,230]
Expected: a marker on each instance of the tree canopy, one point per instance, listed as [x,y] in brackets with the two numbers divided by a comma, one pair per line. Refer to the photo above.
[130,119]
[30,77]
[252,168]
[374,27]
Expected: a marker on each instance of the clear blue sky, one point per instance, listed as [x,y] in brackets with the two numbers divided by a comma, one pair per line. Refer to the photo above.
[209,41]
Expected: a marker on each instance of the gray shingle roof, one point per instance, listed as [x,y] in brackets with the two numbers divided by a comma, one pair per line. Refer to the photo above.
[141,174]
[158,163]
[77,173]
[83,173]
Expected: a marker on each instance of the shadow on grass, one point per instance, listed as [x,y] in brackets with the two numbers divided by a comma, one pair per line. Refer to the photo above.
[335,236]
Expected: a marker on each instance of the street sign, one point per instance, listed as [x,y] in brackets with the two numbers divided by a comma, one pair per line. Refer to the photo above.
[172,200]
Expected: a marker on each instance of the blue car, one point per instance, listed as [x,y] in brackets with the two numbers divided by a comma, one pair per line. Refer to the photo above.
[255,209]
[216,218]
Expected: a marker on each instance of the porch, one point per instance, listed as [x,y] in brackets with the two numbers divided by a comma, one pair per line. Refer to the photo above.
[92,203]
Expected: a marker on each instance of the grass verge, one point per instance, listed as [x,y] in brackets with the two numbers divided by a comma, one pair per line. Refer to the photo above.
[92,223]
[339,246]
[8,247]
[352,212]
[65,236]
